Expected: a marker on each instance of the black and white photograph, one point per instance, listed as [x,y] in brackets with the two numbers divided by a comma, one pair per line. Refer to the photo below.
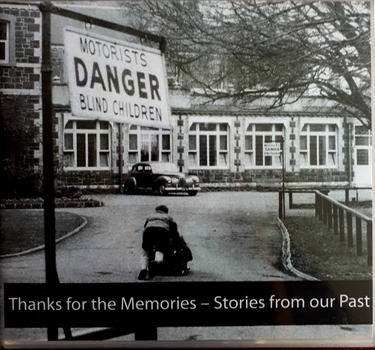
[186,173]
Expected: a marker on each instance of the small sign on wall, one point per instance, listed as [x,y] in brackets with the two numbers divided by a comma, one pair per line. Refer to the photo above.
[271,148]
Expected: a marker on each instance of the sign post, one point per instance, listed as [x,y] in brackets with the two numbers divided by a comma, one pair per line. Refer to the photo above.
[98,86]
[276,148]
[48,159]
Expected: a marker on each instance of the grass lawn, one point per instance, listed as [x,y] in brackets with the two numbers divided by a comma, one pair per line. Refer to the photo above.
[316,251]
[24,229]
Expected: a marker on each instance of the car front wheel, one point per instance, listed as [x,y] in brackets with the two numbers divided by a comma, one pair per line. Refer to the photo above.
[161,190]
[130,186]
[192,193]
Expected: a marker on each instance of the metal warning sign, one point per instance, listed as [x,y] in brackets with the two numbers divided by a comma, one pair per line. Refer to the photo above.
[116,81]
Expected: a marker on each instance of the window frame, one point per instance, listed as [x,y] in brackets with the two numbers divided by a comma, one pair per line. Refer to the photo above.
[141,134]
[328,151]
[362,144]
[250,145]
[220,144]
[10,59]
[73,150]
[366,136]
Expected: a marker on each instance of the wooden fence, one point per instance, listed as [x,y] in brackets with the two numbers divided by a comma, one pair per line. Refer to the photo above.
[344,221]
[347,223]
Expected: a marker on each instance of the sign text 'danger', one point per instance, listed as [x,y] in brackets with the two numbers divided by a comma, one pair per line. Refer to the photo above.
[116,81]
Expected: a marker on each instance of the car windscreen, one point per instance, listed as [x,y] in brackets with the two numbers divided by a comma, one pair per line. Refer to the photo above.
[164,168]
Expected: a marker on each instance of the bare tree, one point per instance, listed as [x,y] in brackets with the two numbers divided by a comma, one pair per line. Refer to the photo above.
[247,49]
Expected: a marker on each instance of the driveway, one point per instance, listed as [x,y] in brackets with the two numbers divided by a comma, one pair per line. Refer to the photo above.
[233,237]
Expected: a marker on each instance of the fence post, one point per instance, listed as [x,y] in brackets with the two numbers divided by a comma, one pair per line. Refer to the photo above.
[329,214]
[369,243]
[280,205]
[325,210]
[320,208]
[341,225]
[349,223]
[335,220]
[358,234]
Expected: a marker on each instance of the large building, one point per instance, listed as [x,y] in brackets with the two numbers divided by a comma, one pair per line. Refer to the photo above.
[305,144]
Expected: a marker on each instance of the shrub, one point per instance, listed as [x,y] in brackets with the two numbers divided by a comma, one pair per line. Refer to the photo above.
[69,192]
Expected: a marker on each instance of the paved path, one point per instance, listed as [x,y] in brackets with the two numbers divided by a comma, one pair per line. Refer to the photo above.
[233,238]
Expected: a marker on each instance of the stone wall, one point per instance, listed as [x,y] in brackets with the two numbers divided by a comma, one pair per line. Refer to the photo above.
[87,179]
[23,69]
[20,78]
[19,116]
[272,176]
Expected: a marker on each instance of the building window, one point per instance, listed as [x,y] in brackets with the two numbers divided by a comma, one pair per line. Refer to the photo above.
[208,145]
[149,144]
[318,145]
[4,42]
[363,144]
[87,145]
[7,39]
[256,138]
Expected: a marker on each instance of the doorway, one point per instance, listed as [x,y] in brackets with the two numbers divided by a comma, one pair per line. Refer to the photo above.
[362,157]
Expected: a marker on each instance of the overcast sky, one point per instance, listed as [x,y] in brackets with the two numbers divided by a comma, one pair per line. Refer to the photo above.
[106,10]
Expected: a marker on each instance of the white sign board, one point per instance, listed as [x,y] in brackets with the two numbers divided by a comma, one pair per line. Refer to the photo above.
[116,81]
[271,148]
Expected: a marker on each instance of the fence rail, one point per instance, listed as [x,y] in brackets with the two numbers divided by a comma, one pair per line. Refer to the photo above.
[347,223]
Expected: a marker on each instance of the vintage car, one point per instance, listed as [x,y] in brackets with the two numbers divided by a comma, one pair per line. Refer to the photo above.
[161,178]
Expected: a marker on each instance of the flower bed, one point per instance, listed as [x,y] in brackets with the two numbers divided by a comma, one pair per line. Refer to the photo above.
[38,203]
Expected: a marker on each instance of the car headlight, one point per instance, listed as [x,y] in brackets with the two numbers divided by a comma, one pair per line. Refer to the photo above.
[174,180]
[195,178]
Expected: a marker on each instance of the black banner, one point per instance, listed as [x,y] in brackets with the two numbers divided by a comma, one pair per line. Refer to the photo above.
[188,304]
